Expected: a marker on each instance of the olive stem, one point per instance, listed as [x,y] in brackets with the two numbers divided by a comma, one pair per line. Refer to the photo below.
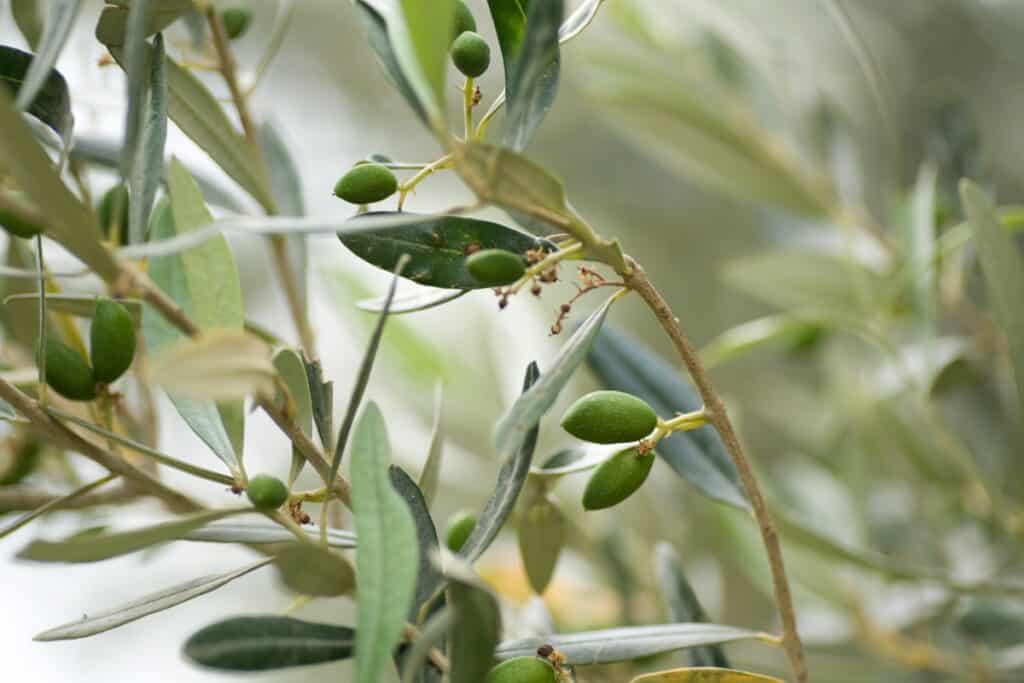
[408,186]
[41,359]
[680,423]
[54,504]
[567,252]
[636,279]
[289,524]
[467,107]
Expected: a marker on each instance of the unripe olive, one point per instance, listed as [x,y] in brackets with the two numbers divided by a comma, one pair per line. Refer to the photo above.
[111,340]
[495,267]
[18,225]
[617,478]
[471,54]
[464,20]
[68,373]
[237,20]
[266,492]
[113,211]
[366,183]
[609,417]
[460,526]
[522,670]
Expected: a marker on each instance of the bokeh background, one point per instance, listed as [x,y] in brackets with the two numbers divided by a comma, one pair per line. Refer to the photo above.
[863,99]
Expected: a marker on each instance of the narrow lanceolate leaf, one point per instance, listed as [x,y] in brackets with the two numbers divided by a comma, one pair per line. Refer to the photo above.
[52,102]
[427,577]
[511,478]
[112,28]
[437,248]
[321,394]
[59,20]
[920,249]
[542,532]
[526,412]
[682,603]
[309,569]
[744,338]
[704,675]
[68,221]
[148,163]
[135,68]
[286,189]
[265,532]
[419,33]
[264,643]
[79,305]
[1004,275]
[292,371]
[375,19]
[532,80]
[220,365]
[430,476]
[93,548]
[29,20]
[146,605]
[421,299]
[622,644]
[387,557]
[476,627]
[699,456]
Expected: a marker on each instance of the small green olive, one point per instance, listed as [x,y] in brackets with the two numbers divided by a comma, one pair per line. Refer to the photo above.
[495,267]
[113,211]
[609,417]
[266,492]
[111,340]
[464,20]
[18,223]
[366,183]
[617,478]
[522,670]
[460,526]
[68,373]
[471,54]
[237,20]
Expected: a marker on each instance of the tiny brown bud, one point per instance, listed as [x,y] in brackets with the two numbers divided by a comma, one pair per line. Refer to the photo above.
[545,651]
[535,290]
[565,308]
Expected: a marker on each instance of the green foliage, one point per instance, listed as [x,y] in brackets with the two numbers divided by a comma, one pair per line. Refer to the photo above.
[264,643]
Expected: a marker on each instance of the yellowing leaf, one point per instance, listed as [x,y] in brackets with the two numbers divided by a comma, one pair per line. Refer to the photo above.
[704,675]
[218,365]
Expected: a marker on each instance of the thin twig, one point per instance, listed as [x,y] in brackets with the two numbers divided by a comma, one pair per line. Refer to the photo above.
[21,498]
[716,413]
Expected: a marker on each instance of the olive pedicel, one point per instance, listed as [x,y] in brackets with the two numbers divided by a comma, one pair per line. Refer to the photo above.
[471,54]
[609,417]
[266,492]
[457,532]
[522,670]
[617,478]
[111,340]
[495,267]
[68,373]
[366,184]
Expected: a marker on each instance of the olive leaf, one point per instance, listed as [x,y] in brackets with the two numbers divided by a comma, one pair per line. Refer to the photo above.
[286,189]
[136,58]
[532,73]
[427,577]
[29,20]
[437,248]
[79,305]
[219,365]
[291,368]
[699,456]
[476,624]
[259,532]
[264,643]
[387,555]
[167,598]
[147,160]
[542,531]
[96,547]
[740,340]
[55,504]
[1004,275]
[52,101]
[59,20]
[309,569]
[420,299]
[430,475]
[112,28]
[704,675]
[621,644]
[321,395]
[514,427]
[374,18]
[683,604]
[418,31]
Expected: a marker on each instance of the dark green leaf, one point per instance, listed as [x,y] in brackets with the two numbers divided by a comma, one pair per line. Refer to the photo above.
[146,605]
[418,31]
[437,248]
[699,456]
[376,26]
[112,28]
[476,628]
[622,644]
[509,18]
[532,77]
[387,557]
[29,20]
[682,603]
[268,642]
[94,548]
[59,20]
[52,103]
[321,394]
[309,569]
[427,577]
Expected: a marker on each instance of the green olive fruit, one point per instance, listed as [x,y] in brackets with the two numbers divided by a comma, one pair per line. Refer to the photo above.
[460,526]
[471,54]
[464,20]
[609,417]
[266,492]
[617,478]
[68,373]
[113,211]
[366,183]
[522,670]
[19,223]
[495,267]
[237,20]
[111,340]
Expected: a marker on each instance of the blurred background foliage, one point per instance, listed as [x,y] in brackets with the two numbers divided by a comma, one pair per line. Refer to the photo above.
[749,154]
